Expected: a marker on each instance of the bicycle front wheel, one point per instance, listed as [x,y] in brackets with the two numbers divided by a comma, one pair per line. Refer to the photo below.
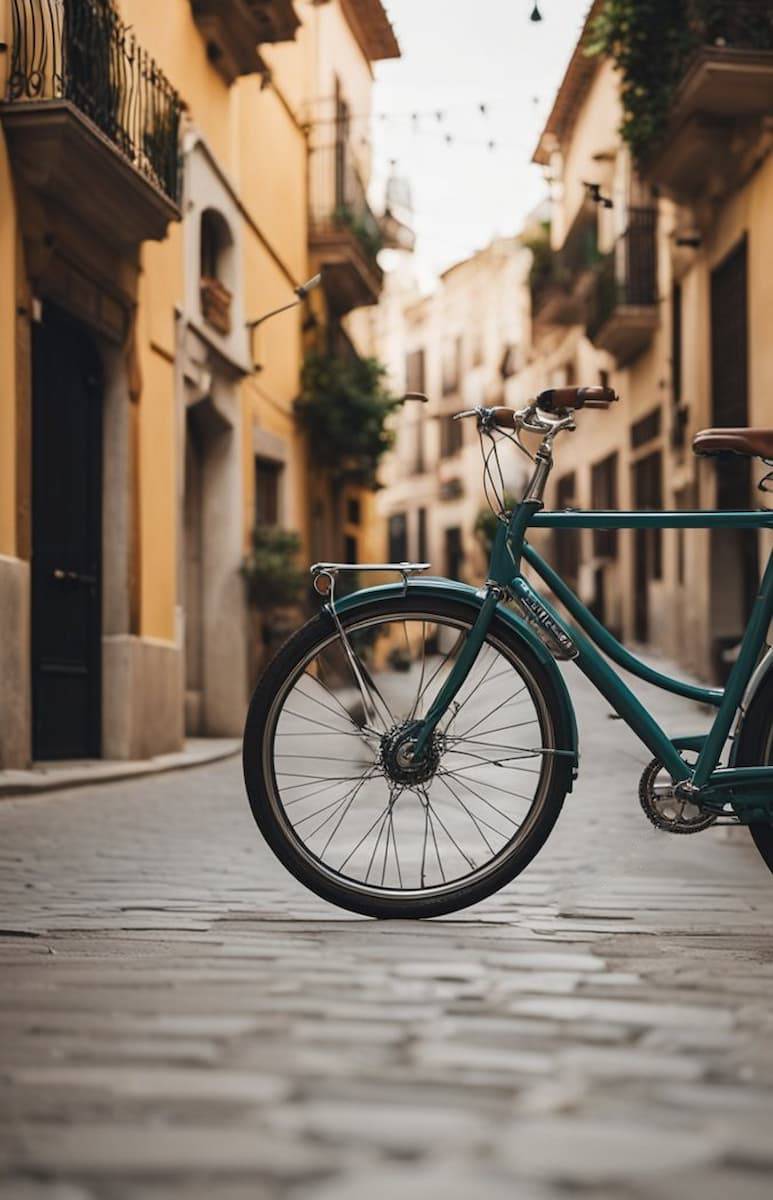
[337,793]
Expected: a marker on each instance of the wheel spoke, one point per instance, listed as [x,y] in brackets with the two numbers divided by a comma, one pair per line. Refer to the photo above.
[473,818]
[500,704]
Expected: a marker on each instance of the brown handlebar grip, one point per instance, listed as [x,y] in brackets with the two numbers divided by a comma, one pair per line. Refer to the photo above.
[502,417]
[554,399]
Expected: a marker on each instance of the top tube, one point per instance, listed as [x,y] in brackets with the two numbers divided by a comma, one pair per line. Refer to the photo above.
[758,518]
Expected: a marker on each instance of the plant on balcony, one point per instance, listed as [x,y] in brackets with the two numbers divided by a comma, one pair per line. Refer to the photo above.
[546,269]
[272,578]
[344,407]
[651,41]
[366,232]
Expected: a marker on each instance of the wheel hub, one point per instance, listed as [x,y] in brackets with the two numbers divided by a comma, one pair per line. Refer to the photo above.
[397,755]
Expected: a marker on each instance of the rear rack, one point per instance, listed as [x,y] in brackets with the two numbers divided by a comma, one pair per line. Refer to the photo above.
[324,573]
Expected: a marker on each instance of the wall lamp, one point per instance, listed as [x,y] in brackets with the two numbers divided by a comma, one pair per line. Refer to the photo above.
[301,292]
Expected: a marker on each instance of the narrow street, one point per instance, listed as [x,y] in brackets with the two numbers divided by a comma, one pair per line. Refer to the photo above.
[179,1018]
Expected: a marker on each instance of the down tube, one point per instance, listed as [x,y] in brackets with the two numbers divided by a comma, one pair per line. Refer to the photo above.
[622,699]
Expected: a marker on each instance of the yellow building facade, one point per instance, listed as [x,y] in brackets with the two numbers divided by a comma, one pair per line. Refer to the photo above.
[159,191]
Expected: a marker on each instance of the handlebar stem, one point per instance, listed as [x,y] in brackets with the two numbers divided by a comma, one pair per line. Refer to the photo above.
[535,492]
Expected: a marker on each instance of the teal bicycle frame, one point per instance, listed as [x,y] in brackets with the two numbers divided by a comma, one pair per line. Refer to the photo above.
[749,790]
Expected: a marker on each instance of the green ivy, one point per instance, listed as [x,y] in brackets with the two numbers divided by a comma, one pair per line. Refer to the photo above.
[272,578]
[344,407]
[651,41]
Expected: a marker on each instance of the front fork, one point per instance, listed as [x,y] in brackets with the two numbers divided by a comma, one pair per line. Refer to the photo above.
[503,566]
[473,642]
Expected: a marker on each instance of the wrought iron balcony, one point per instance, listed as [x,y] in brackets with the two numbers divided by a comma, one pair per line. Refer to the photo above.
[717,127]
[345,236]
[90,118]
[622,309]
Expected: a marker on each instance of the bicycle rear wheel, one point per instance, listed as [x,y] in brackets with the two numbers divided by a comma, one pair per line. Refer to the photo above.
[756,750]
[330,777]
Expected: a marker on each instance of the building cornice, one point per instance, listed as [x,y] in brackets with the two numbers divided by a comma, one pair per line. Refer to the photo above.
[372,28]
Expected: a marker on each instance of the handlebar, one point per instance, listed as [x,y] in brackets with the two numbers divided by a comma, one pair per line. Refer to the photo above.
[551,410]
[554,399]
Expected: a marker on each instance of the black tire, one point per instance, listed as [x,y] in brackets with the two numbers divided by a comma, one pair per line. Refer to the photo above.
[755,749]
[554,781]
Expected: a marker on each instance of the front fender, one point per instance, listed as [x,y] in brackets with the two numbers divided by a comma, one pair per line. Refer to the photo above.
[452,590]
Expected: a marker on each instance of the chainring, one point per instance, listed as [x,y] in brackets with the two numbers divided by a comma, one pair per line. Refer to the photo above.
[666,810]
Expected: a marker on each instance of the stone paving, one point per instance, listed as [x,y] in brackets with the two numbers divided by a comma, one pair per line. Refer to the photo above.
[179,1018]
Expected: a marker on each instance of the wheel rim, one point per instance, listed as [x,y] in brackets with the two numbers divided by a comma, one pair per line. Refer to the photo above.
[334,779]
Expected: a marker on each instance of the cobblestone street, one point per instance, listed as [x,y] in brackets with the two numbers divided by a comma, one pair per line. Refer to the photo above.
[179,1018]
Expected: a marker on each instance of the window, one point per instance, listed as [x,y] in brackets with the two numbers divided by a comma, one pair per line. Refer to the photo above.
[214,265]
[676,343]
[508,364]
[451,436]
[454,553]
[267,482]
[411,443]
[648,495]
[398,538]
[350,549]
[452,365]
[603,379]
[646,429]
[353,513]
[604,496]
[414,371]
[215,240]
[421,532]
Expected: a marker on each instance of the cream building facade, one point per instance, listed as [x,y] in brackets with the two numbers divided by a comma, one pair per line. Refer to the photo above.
[660,285]
[459,345]
[158,191]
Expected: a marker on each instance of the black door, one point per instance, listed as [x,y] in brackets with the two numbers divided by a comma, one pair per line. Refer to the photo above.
[66,539]
[648,543]
[735,564]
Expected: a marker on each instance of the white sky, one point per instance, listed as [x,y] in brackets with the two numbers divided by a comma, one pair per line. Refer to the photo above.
[458,54]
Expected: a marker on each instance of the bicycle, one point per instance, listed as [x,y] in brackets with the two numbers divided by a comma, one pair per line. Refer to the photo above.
[408,751]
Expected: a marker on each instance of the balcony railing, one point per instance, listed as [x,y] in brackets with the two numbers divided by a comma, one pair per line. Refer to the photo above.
[339,199]
[557,275]
[622,307]
[344,232]
[80,51]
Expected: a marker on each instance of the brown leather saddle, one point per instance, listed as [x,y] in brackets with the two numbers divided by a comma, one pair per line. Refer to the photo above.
[757,443]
